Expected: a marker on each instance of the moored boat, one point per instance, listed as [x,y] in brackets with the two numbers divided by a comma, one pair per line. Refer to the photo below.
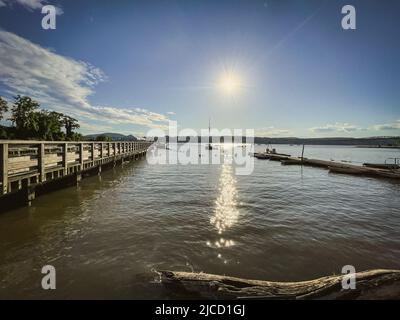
[261,156]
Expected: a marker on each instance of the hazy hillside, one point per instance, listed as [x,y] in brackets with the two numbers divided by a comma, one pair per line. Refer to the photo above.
[112,136]
[371,141]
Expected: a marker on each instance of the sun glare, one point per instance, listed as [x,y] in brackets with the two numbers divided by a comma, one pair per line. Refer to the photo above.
[229,83]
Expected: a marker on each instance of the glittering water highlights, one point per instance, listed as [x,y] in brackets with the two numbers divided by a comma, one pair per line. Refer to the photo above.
[283,223]
[226,212]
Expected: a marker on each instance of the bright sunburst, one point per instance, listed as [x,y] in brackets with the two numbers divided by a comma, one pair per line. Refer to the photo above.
[230,83]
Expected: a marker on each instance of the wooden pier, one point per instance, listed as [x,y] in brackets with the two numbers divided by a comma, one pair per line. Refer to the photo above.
[31,168]
[333,166]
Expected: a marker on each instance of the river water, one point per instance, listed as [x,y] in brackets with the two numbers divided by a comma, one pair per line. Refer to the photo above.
[284,223]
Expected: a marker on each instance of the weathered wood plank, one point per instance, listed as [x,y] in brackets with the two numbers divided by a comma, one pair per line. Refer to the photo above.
[41,166]
[4,167]
[372,284]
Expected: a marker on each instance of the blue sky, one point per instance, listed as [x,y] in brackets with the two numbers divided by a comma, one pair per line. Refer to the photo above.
[129,66]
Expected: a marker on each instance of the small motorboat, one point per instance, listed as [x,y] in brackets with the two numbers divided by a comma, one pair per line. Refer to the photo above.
[273,152]
[261,156]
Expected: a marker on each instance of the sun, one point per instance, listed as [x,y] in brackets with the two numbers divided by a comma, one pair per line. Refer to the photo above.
[229,83]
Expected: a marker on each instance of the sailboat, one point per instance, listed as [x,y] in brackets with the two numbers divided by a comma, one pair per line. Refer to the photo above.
[209,146]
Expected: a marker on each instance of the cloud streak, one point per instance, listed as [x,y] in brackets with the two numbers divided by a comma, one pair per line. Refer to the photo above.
[388,126]
[349,128]
[63,84]
[337,127]
[28,4]
[272,132]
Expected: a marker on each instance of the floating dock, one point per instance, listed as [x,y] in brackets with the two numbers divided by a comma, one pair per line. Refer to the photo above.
[384,171]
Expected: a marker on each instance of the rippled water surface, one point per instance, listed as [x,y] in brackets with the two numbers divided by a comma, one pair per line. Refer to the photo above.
[279,223]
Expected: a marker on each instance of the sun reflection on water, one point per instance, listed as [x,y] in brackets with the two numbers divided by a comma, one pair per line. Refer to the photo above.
[226,213]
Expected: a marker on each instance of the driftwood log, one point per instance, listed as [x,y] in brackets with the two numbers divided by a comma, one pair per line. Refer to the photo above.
[372,284]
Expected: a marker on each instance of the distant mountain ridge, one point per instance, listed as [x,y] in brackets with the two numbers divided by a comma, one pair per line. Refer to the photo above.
[113,136]
[370,141]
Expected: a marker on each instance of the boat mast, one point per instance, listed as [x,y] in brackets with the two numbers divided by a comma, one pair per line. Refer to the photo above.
[209,147]
[209,131]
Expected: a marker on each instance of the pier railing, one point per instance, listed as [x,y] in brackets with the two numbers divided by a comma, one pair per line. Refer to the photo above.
[25,162]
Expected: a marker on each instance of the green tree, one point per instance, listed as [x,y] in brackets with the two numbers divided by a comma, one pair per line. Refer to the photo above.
[3,107]
[77,136]
[49,125]
[70,125]
[24,116]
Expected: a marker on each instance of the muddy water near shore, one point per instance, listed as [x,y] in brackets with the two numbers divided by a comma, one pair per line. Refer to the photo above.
[283,223]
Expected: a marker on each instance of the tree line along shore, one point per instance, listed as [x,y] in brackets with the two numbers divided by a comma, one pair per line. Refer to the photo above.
[30,122]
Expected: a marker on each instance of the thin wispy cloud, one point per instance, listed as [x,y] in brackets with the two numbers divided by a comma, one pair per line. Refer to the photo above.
[272,132]
[388,126]
[29,4]
[63,84]
[337,127]
[351,128]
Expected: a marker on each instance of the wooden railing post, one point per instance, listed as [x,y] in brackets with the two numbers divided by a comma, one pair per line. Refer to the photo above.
[41,164]
[81,155]
[4,167]
[93,145]
[65,158]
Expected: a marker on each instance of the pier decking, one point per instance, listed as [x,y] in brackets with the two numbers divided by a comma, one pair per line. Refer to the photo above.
[333,166]
[30,168]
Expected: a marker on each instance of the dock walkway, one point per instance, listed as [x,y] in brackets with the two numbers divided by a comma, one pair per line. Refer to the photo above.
[333,166]
[31,168]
